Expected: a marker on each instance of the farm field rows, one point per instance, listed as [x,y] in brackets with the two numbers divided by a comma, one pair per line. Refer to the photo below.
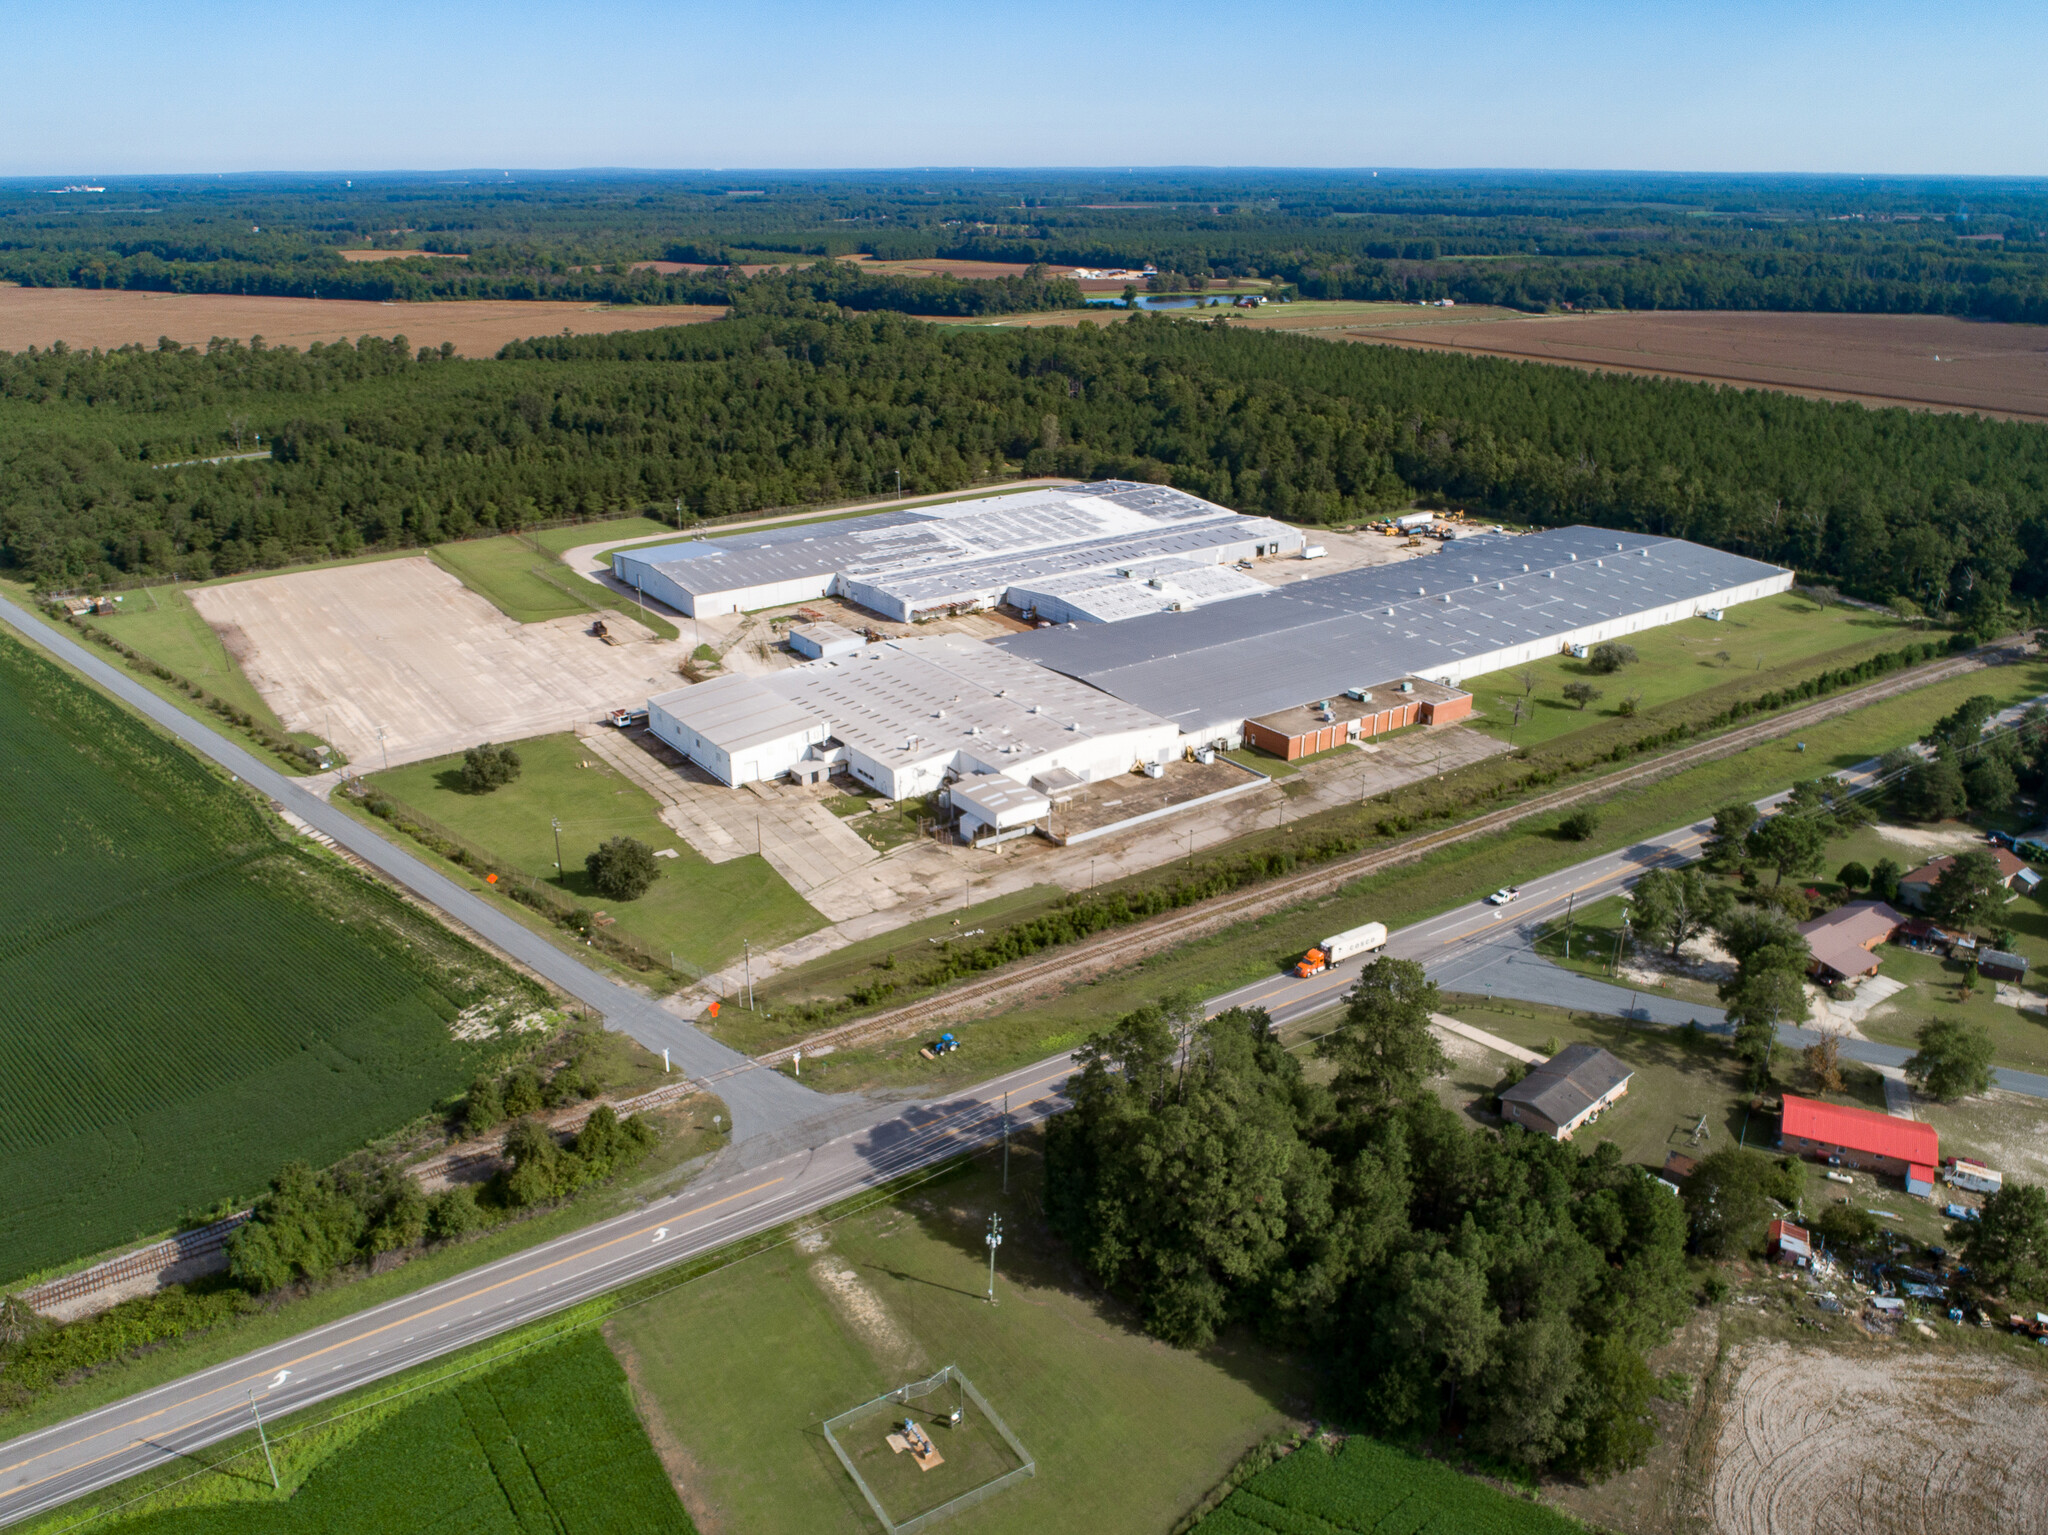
[186,999]
[1927,361]
[545,1443]
[96,317]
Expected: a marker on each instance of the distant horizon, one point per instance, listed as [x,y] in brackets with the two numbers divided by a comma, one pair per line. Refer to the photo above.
[145,90]
[487,174]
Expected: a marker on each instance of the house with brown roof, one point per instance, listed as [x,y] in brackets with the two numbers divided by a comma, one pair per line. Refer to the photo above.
[1841,941]
[1915,887]
[1566,1091]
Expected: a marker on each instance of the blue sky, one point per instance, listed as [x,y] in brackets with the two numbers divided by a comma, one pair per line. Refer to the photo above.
[113,87]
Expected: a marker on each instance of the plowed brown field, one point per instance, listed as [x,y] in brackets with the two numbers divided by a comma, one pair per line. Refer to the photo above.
[84,317]
[1928,361]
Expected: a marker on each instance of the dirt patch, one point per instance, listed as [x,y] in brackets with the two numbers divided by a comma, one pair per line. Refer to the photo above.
[403,648]
[354,256]
[1929,361]
[82,317]
[1930,840]
[1902,1440]
[863,1312]
[683,1471]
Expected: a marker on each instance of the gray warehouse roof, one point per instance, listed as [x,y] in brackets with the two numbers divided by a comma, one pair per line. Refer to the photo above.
[735,712]
[1239,660]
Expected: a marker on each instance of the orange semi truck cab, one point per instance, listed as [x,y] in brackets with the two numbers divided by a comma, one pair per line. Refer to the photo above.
[1314,962]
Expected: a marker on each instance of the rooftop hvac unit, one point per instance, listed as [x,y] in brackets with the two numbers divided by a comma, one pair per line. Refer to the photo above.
[1500,586]
[1358,693]
[1475,580]
[1525,567]
[1205,755]
[1406,687]
[1155,770]
[1575,556]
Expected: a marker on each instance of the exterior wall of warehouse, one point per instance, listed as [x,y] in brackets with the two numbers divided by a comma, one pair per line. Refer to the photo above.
[1609,629]
[743,599]
[1328,737]
[763,760]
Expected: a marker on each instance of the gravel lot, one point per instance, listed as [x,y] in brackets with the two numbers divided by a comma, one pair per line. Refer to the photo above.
[403,645]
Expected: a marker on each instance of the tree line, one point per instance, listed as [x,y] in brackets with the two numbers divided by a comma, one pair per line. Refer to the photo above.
[1500,1286]
[375,446]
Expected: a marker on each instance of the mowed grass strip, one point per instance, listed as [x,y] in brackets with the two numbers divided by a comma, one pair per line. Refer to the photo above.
[519,576]
[741,1369]
[545,1443]
[1682,659]
[699,909]
[186,999]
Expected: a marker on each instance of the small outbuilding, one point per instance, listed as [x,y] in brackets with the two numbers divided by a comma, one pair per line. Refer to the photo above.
[2001,966]
[819,641]
[990,804]
[1920,1179]
[1788,1244]
[1565,1092]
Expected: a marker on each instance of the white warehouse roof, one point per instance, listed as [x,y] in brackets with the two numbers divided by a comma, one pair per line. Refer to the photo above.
[906,701]
[734,712]
[966,553]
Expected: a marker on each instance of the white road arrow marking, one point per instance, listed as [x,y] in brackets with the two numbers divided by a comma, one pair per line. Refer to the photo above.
[661,1234]
[282,1377]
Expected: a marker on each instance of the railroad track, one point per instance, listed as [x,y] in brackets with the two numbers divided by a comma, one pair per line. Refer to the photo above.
[1107,951]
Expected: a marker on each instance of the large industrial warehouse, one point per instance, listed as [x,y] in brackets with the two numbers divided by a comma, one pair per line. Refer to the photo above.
[1481,605]
[1294,669]
[1097,552]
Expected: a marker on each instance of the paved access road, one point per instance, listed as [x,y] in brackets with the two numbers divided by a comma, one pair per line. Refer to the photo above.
[40,1470]
[772,1112]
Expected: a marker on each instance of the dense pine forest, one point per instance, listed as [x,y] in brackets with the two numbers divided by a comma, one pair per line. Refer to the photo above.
[1963,246]
[377,446]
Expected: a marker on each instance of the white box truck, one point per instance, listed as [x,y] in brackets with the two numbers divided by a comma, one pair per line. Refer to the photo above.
[1331,951]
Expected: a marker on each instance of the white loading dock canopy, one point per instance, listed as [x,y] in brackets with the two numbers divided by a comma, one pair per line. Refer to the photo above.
[735,729]
[965,554]
[1480,605]
[995,802]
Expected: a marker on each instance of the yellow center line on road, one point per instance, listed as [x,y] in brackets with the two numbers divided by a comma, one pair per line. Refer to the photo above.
[414,1318]
[1644,864]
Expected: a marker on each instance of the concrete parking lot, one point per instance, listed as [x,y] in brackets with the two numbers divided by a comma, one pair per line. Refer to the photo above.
[403,647]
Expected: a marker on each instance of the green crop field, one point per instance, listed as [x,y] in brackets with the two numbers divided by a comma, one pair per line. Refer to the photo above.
[699,909]
[186,999]
[1367,1487]
[545,1444]
[1759,640]
[739,1369]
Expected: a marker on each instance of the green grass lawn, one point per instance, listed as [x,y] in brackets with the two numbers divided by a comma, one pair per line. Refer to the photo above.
[699,909]
[1681,659]
[739,1370]
[546,1440]
[162,623]
[1590,948]
[531,586]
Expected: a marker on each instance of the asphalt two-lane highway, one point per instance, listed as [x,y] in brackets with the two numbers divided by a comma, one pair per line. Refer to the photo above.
[41,1470]
[1465,940]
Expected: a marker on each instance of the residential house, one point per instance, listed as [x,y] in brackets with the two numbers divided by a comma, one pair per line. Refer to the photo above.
[1841,941]
[1566,1091]
[2001,966]
[1862,1138]
[1917,886]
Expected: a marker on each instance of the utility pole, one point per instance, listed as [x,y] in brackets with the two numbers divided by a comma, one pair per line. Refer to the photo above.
[899,484]
[556,822]
[260,1434]
[995,1240]
[1568,923]
[387,748]
[749,947]
[1006,1141]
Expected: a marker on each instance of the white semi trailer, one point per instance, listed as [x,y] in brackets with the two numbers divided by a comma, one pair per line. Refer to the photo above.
[1334,950]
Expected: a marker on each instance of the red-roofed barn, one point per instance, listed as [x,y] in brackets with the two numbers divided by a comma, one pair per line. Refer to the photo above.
[1881,1143]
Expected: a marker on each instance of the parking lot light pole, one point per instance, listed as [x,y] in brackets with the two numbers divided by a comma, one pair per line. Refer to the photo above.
[556,822]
